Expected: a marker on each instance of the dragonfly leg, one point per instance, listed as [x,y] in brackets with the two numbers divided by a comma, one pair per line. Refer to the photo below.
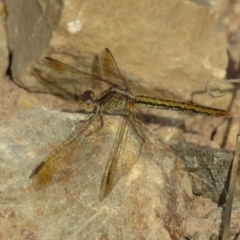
[134,123]
[101,124]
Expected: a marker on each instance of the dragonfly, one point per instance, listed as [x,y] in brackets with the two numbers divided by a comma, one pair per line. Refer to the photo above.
[117,98]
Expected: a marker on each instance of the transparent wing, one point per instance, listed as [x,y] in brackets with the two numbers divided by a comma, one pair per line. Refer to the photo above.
[53,85]
[74,82]
[111,70]
[125,153]
[70,155]
[65,74]
[97,71]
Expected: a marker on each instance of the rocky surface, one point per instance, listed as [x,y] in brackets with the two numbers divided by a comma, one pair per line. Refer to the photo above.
[71,208]
[209,170]
[174,67]
[153,200]
[163,51]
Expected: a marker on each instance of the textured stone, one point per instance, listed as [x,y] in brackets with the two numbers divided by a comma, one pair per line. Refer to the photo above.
[159,46]
[209,170]
[153,200]
[211,224]
[161,49]
[148,202]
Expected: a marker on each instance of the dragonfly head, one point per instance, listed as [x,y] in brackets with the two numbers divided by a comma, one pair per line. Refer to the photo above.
[86,101]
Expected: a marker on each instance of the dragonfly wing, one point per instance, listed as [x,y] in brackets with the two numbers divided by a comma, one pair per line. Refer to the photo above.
[53,84]
[70,155]
[124,155]
[111,70]
[65,74]
[97,71]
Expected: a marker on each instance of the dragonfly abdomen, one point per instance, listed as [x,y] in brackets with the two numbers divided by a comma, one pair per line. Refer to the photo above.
[148,102]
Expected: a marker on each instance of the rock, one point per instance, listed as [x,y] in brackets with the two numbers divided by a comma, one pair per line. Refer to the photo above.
[211,223]
[163,52]
[209,170]
[150,201]
[71,207]
[164,49]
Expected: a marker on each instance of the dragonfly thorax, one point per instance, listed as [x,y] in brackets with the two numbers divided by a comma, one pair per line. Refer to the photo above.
[86,101]
[123,93]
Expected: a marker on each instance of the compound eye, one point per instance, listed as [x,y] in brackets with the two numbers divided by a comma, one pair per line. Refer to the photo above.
[86,101]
